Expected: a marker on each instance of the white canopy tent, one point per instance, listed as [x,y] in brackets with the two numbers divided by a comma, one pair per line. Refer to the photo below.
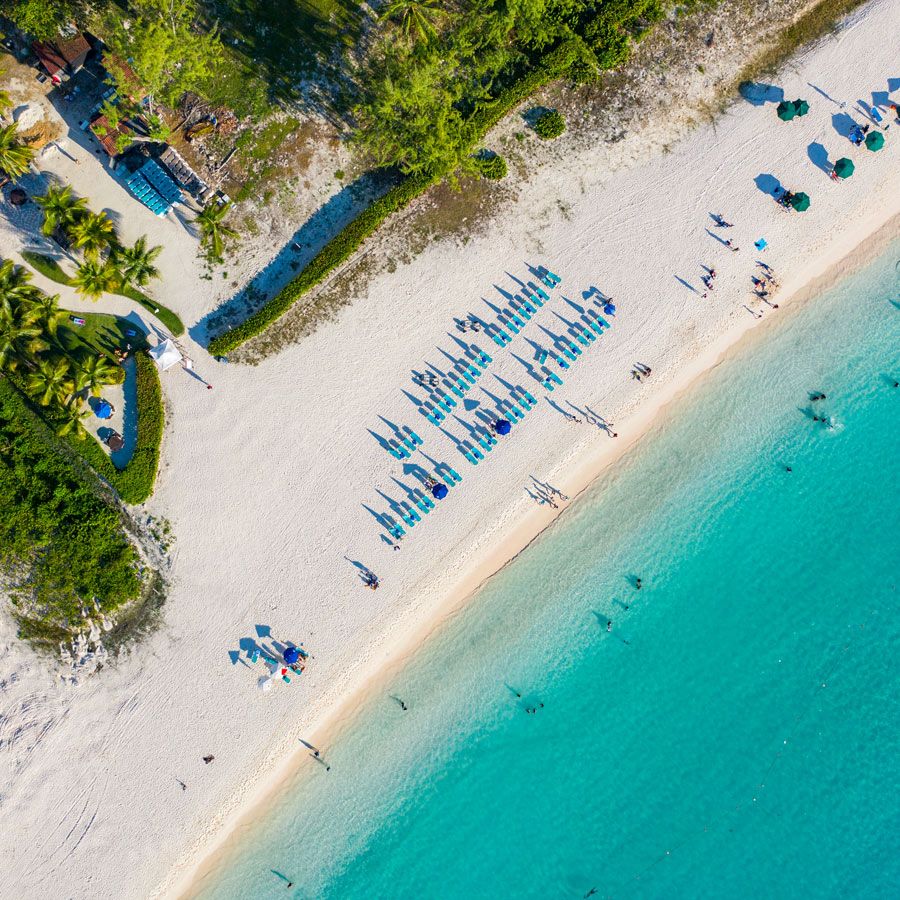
[165,355]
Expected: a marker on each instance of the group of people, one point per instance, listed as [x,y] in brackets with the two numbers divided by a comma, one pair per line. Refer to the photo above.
[640,371]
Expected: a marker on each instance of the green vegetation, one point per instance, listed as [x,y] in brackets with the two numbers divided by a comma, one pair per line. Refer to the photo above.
[549,125]
[41,18]
[62,548]
[213,230]
[108,266]
[47,266]
[135,482]
[58,364]
[490,165]
[164,45]
[15,157]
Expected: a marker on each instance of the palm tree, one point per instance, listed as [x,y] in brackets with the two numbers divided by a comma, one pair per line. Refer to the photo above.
[416,17]
[62,209]
[20,338]
[93,277]
[46,310]
[92,232]
[213,230]
[51,381]
[15,157]
[14,286]
[71,417]
[135,264]
[93,373]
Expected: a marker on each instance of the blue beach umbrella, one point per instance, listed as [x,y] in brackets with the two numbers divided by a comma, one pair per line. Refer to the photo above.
[502,426]
[439,491]
[609,309]
[291,655]
[103,410]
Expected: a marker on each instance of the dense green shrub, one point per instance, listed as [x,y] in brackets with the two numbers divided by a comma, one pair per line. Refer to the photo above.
[61,546]
[491,165]
[550,124]
[135,482]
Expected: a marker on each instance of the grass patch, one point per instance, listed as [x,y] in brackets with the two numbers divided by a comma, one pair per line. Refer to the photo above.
[51,269]
[47,266]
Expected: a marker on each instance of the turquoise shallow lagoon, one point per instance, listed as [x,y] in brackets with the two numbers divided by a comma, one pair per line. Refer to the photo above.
[736,734]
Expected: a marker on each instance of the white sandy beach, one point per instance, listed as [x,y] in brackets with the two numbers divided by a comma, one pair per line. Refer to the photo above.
[265,478]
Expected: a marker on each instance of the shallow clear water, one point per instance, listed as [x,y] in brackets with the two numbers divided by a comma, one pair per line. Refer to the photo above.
[737,734]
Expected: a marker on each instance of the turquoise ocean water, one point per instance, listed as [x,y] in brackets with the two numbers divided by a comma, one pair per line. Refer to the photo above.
[737,734]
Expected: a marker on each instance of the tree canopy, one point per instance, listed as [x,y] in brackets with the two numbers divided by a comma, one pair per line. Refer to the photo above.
[167,47]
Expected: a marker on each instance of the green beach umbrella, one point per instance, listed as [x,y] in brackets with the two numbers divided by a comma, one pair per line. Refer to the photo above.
[844,168]
[786,110]
[802,107]
[875,140]
[800,201]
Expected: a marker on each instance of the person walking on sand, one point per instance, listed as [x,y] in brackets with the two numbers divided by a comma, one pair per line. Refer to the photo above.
[731,246]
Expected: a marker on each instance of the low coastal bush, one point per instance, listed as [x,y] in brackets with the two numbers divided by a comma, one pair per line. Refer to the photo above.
[338,249]
[135,482]
[61,546]
[50,268]
[490,165]
[550,125]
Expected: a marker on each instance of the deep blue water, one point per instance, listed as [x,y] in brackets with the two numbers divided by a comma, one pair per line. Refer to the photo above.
[737,734]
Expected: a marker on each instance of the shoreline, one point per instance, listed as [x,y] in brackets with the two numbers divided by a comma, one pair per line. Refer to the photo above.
[852,251]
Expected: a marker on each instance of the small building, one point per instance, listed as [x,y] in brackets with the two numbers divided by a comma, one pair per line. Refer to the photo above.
[62,57]
[112,140]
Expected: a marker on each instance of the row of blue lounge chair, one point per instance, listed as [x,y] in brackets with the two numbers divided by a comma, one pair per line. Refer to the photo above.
[516,407]
[421,503]
[585,333]
[439,401]
[404,443]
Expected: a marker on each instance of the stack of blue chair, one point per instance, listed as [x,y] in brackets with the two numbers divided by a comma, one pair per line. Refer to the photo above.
[162,182]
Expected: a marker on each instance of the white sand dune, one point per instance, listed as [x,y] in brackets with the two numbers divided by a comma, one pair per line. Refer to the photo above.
[266,477]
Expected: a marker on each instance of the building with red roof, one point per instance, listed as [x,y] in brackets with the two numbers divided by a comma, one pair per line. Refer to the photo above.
[63,57]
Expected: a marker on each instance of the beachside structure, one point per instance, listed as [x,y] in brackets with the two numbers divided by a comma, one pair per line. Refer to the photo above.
[63,57]
[111,139]
[179,169]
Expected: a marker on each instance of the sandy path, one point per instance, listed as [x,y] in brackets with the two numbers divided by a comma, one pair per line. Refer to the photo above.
[264,477]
